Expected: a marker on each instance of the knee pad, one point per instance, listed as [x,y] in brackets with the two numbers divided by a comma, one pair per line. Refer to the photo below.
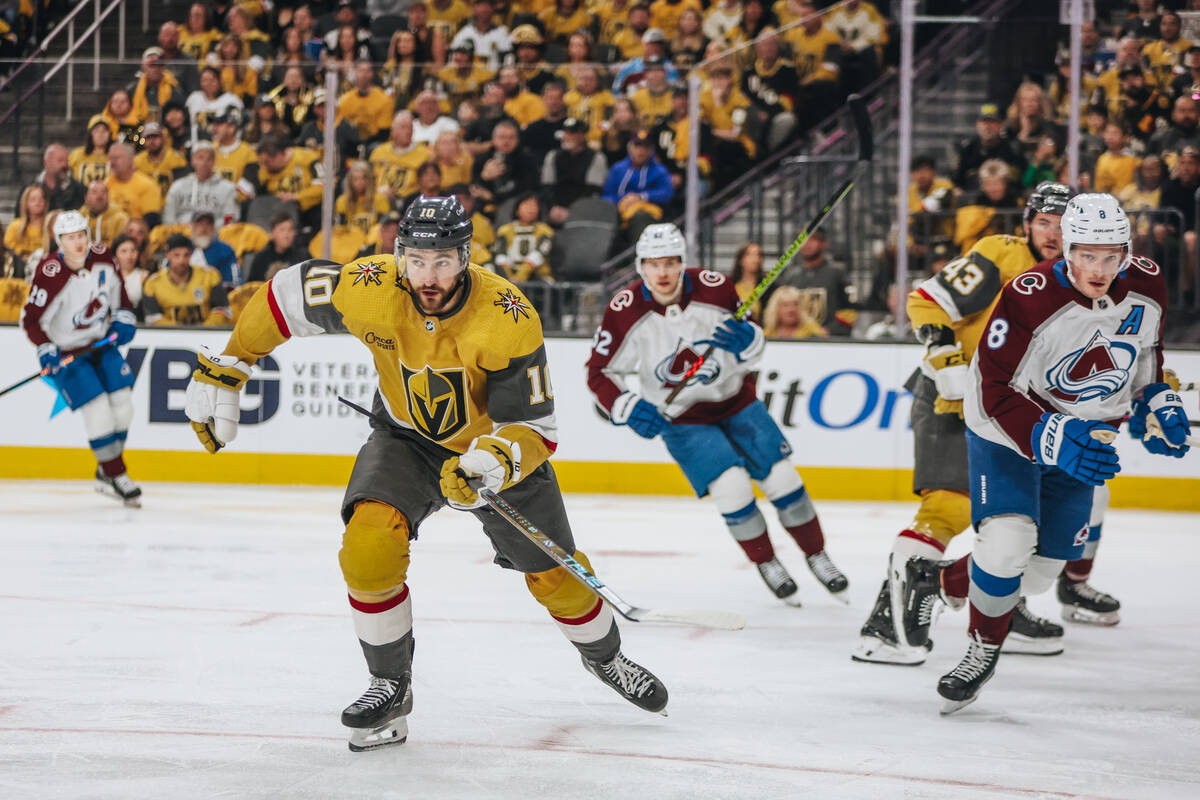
[121,403]
[733,493]
[1001,554]
[563,595]
[1040,574]
[784,488]
[942,515]
[374,554]
[98,419]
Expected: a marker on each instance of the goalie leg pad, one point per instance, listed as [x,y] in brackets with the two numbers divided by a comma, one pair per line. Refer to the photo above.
[1002,551]
[375,550]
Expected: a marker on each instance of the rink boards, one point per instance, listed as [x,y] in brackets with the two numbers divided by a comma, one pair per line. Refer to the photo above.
[842,406]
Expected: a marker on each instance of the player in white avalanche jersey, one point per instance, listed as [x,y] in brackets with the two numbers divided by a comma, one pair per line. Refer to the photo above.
[717,429]
[77,298]
[1070,347]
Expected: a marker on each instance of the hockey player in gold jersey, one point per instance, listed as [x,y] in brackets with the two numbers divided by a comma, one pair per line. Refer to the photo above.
[949,313]
[464,393]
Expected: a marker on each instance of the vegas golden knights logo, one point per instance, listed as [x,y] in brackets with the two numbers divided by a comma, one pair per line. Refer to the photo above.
[437,400]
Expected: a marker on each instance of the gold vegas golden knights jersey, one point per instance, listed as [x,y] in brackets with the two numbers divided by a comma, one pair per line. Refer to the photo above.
[477,369]
[962,295]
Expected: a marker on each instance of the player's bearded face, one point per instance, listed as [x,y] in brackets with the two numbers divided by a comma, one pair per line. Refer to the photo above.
[74,245]
[1045,234]
[663,276]
[1092,267]
[433,275]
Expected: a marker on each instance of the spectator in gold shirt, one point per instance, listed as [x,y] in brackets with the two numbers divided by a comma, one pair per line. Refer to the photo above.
[367,107]
[136,194]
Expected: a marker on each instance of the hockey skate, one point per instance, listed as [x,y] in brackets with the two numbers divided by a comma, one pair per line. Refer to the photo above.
[120,488]
[1082,603]
[632,681]
[878,643]
[377,719]
[961,685]
[776,576]
[1031,635]
[923,598]
[829,575]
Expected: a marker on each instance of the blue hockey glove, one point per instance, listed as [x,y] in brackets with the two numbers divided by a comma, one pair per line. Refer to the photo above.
[733,335]
[1066,442]
[643,417]
[124,325]
[49,356]
[1167,407]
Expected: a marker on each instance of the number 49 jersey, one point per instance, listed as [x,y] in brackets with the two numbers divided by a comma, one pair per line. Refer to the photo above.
[1047,347]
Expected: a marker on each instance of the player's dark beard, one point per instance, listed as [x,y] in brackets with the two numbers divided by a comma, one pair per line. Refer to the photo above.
[444,300]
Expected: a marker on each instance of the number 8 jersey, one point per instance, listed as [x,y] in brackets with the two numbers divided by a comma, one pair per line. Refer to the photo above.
[962,295]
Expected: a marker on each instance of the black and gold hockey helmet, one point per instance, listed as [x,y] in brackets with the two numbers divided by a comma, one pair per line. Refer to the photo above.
[436,223]
[1049,197]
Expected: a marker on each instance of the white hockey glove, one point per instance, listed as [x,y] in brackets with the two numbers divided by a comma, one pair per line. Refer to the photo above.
[212,399]
[494,461]
[948,368]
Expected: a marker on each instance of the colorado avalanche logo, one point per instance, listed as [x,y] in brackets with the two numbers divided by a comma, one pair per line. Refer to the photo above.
[670,370]
[1093,372]
[95,310]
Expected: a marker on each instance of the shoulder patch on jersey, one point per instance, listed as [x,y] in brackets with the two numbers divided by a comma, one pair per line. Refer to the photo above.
[369,273]
[1145,265]
[1029,282]
[622,300]
[710,278]
[510,303]
[98,247]
[51,268]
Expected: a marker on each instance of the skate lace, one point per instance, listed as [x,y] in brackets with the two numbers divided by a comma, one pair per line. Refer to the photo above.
[378,693]
[1085,590]
[123,484]
[632,679]
[974,663]
[773,572]
[824,568]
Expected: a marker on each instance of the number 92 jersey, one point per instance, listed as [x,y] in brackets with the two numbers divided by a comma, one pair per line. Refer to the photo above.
[962,295]
[479,368]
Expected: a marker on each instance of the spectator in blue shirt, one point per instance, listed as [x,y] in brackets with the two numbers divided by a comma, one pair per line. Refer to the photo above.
[639,186]
[216,253]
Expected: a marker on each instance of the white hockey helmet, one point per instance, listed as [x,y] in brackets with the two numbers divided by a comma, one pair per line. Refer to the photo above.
[1096,218]
[68,222]
[660,241]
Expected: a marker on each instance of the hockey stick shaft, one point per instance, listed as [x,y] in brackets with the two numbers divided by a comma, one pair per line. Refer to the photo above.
[724,620]
[866,151]
[105,342]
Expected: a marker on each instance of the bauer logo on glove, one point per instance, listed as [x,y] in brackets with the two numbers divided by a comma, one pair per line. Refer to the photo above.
[211,402]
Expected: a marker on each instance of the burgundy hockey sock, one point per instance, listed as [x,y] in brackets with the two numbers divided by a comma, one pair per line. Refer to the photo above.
[809,536]
[1079,571]
[113,467]
[991,630]
[956,581]
[758,549]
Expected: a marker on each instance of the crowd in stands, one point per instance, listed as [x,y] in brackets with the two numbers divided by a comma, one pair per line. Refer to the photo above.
[208,172]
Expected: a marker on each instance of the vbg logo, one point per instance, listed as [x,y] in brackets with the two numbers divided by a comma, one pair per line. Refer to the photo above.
[170,371]
[840,400]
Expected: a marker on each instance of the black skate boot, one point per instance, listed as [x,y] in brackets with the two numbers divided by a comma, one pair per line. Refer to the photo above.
[377,718]
[829,575]
[960,686]
[119,488]
[1082,603]
[632,681]
[878,643]
[923,599]
[1032,635]
[776,576]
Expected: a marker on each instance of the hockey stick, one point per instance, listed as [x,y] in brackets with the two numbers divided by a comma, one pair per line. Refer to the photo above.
[723,620]
[105,342]
[866,151]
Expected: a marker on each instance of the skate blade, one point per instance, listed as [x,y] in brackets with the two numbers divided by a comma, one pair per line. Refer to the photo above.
[1028,646]
[393,733]
[875,651]
[950,706]
[1086,617]
[842,597]
[793,600]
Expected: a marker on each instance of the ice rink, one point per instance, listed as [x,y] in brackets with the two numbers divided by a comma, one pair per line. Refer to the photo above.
[201,647]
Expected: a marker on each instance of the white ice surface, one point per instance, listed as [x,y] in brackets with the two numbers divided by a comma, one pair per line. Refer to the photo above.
[202,648]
